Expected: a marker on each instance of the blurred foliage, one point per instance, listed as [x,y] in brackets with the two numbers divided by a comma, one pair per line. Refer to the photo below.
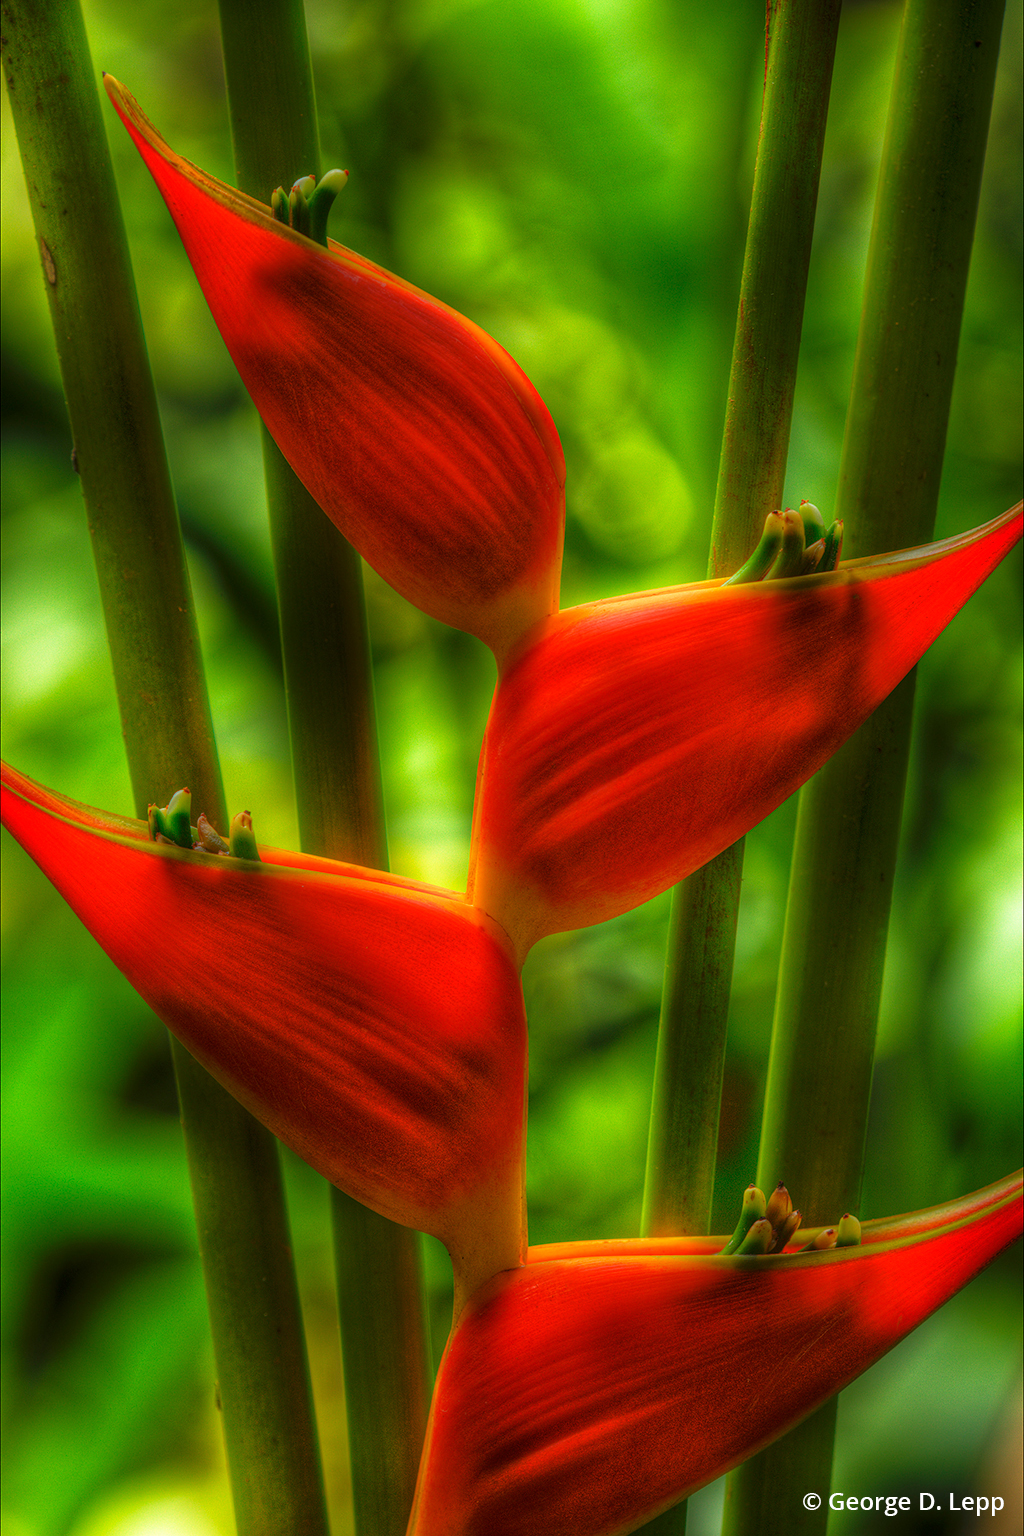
[574,176]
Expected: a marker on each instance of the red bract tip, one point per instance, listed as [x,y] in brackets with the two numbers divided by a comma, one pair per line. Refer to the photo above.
[417,434]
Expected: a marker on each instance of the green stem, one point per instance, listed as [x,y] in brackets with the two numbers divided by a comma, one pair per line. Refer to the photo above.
[691,1045]
[830,978]
[690,1062]
[387,1368]
[681,1155]
[259,1343]
[327,677]
[258,1340]
[755,446]
[337,783]
[683,1138]
[118,443]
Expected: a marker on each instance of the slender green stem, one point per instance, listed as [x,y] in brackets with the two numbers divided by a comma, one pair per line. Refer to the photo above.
[685,1108]
[327,677]
[688,1075]
[755,446]
[337,782]
[387,1375]
[245,1240]
[702,931]
[118,444]
[844,860]
[243,1230]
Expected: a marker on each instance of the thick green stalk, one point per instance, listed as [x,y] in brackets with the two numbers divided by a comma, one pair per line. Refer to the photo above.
[337,783]
[683,1138]
[684,1119]
[844,860]
[118,443]
[244,1237]
[690,1062]
[755,445]
[243,1230]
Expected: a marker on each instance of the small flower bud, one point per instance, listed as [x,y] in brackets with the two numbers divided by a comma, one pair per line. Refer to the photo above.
[761,561]
[786,1232]
[298,209]
[814,523]
[241,842]
[758,1239]
[171,822]
[791,560]
[848,1235]
[821,1242]
[179,817]
[833,548]
[813,556]
[752,1210]
[321,201]
[207,838]
[780,1206]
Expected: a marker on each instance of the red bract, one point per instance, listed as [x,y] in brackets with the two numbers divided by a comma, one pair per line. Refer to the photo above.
[584,1394]
[416,433]
[373,1024]
[632,740]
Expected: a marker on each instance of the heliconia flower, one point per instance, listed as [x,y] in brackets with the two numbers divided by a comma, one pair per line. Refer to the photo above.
[416,432]
[374,1024]
[599,1384]
[633,739]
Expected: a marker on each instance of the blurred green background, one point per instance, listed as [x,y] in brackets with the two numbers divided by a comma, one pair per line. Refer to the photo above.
[574,175]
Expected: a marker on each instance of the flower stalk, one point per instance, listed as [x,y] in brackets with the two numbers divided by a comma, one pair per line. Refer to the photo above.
[259,1346]
[833,954]
[335,762]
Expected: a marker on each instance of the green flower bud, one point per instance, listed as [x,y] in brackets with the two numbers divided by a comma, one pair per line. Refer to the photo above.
[791,560]
[761,561]
[172,822]
[821,1242]
[758,1239]
[752,1210]
[241,842]
[298,208]
[179,817]
[814,523]
[321,201]
[848,1235]
[833,548]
